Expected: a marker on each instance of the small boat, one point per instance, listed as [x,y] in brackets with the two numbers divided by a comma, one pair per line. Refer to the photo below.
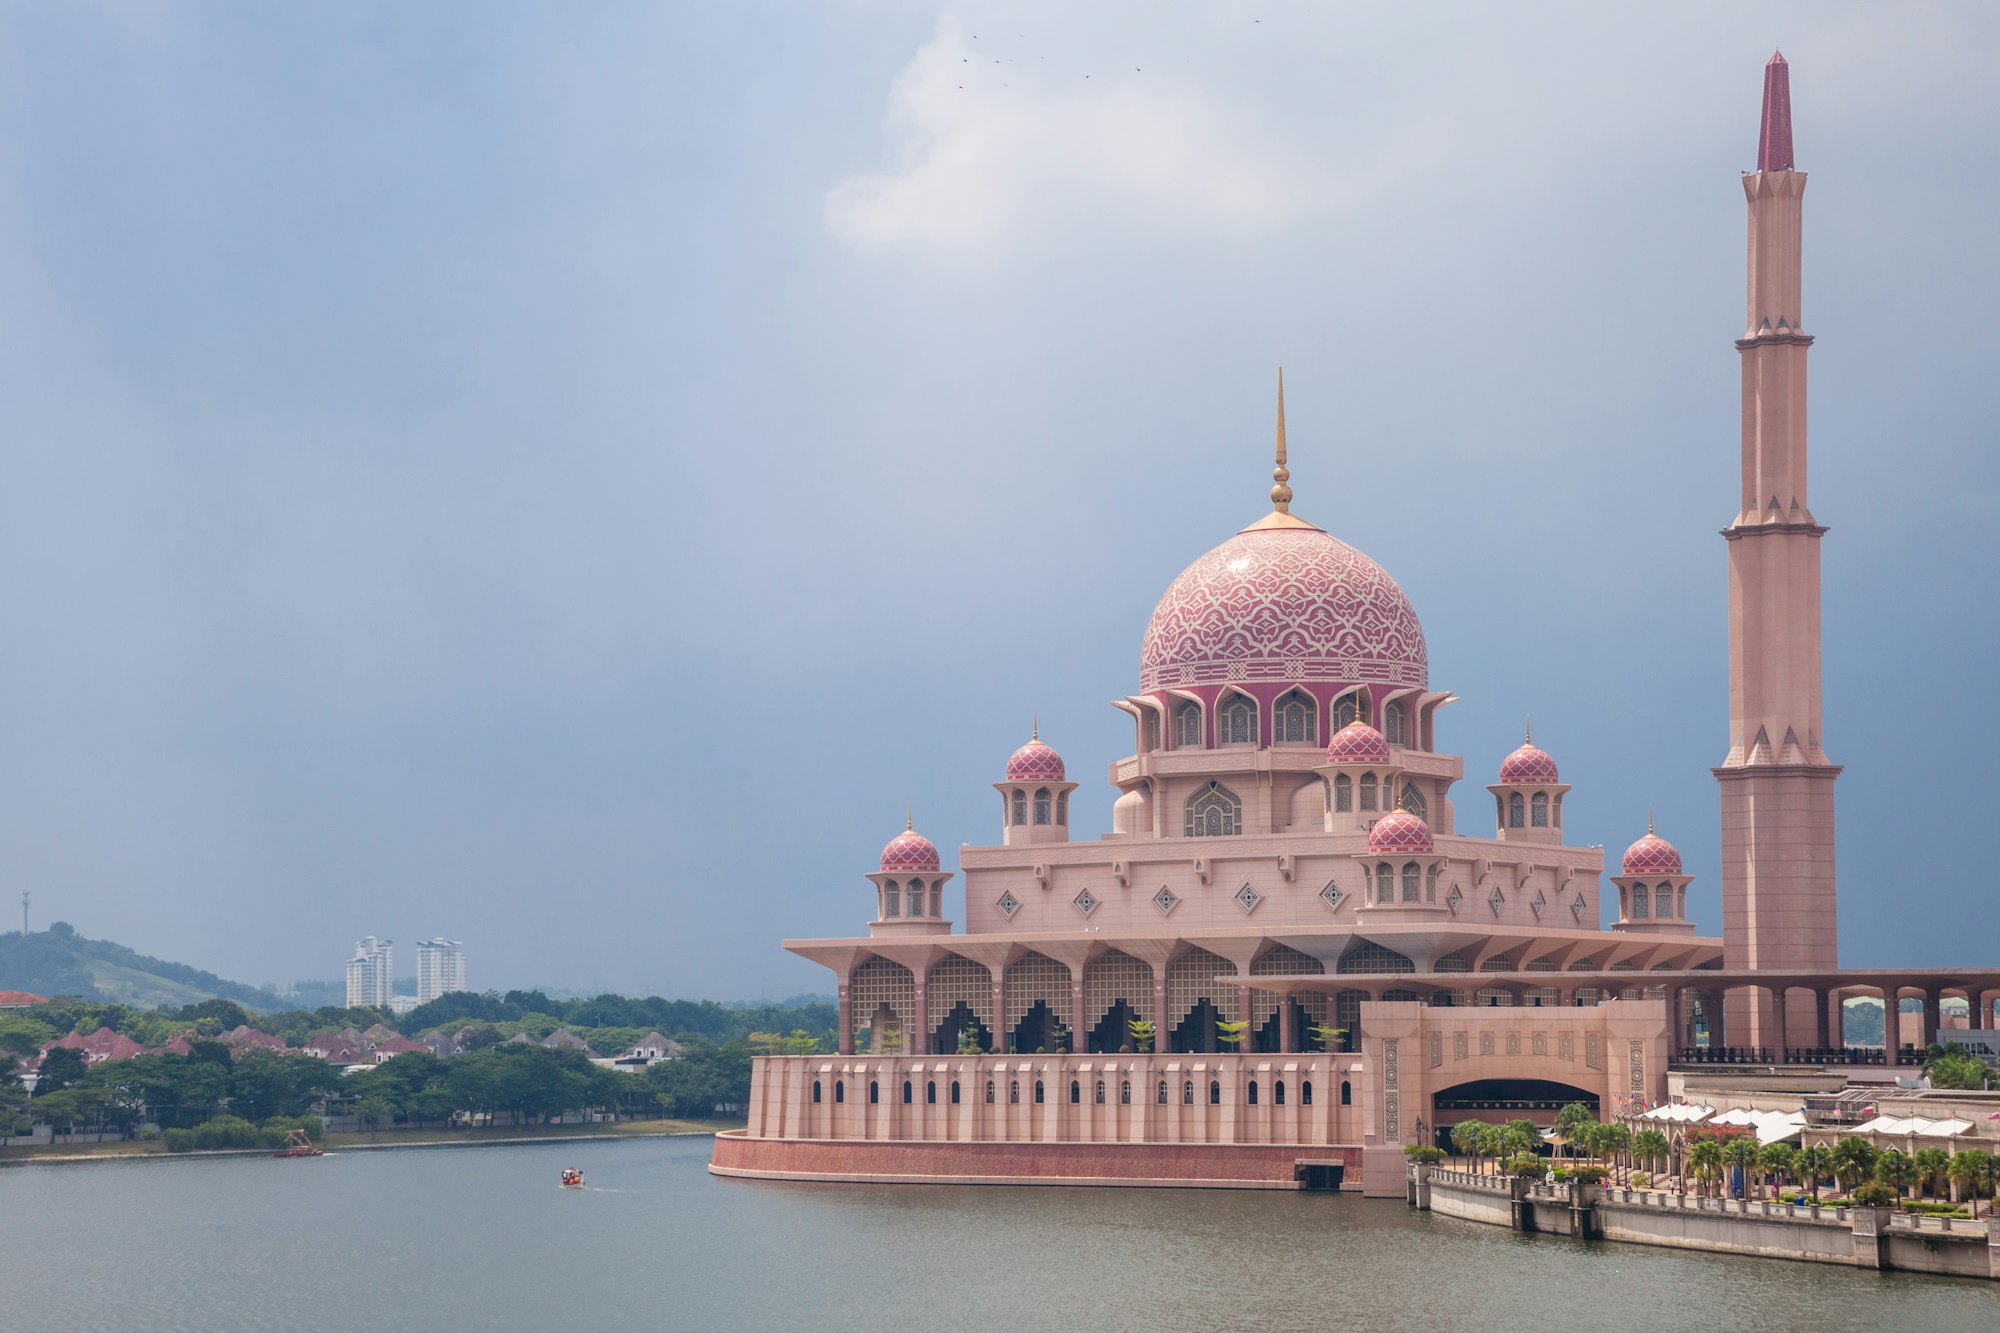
[572,1179]
[298,1145]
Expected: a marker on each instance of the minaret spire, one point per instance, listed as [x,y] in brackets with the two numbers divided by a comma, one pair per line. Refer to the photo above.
[1774,139]
[1281,494]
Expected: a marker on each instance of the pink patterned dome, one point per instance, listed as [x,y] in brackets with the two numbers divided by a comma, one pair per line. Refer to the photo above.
[1035,762]
[1283,602]
[1400,831]
[1357,743]
[909,850]
[1652,855]
[1529,764]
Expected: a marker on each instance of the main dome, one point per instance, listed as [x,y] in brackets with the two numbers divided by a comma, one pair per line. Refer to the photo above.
[1284,602]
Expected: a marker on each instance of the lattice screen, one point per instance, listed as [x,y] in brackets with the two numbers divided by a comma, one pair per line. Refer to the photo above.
[878,982]
[1190,980]
[1369,957]
[1032,977]
[1109,978]
[951,980]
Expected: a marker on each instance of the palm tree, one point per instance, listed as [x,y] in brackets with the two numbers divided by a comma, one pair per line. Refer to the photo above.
[1853,1161]
[1742,1153]
[1812,1164]
[1778,1159]
[1894,1168]
[1971,1170]
[1650,1146]
[1465,1138]
[1614,1141]
[1573,1123]
[1932,1165]
[1492,1141]
[1705,1161]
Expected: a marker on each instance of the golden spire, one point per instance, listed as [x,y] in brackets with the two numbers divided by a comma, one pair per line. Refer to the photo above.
[1649,821]
[1036,729]
[909,819]
[1527,730]
[1281,494]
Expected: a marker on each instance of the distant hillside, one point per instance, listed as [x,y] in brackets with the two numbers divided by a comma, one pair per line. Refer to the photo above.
[58,961]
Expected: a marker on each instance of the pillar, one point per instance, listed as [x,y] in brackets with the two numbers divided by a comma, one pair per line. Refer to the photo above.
[845,1003]
[1078,1038]
[1820,1001]
[1160,1007]
[1776,1034]
[1288,1028]
[999,979]
[919,1043]
[1931,1015]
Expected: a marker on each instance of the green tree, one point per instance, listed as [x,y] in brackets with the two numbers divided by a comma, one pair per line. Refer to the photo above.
[1932,1167]
[1465,1138]
[1853,1161]
[1229,1032]
[1894,1168]
[1142,1034]
[1954,1069]
[1570,1122]
[1743,1155]
[1778,1159]
[1970,1173]
[1651,1147]
[1327,1037]
[1814,1162]
[1705,1162]
[62,1067]
[1613,1142]
[372,1111]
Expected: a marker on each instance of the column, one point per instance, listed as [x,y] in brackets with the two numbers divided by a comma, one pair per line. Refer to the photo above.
[1931,998]
[1777,1033]
[1288,1033]
[1718,1020]
[1160,1007]
[846,1007]
[1078,1039]
[919,1042]
[999,978]
[1820,999]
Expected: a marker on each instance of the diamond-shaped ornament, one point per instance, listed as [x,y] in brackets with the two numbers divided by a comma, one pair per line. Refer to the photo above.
[1576,908]
[1497,899]
[1008,905]
[1248,898]
[1332,896]
[1539,903]
[1085,902]
[1454,898]
[1165,900]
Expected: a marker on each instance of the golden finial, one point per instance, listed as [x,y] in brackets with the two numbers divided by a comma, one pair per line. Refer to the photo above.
[1527,730]
[1649,821]
[1281,494]
[909,819]
[1036,727]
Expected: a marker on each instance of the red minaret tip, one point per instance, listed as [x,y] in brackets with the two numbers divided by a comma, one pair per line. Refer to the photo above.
[1774,139]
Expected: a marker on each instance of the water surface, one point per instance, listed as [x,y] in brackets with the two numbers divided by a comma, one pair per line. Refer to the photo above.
[442,1239]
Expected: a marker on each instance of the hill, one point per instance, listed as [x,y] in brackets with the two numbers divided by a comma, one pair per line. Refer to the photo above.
[58,961]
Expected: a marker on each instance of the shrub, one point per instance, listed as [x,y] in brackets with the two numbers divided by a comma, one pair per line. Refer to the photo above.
[1527,1167]
[1423,1152]
[1591,1174]
[1874,1194]
[1642,1180]
[180,1140]
[1929,1209]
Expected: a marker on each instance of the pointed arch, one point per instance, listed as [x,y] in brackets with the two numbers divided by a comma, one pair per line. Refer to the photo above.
[1236,719]
[1295,719]
[1213,811]
[1187,725]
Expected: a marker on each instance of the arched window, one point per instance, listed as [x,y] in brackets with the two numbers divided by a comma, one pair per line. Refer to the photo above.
[1237,723]
[1278,1093]
[1346,1093]
[1100,1092]
[1663,901]
[1038,1092]
[839,1091]
[1343,792]
[1214,1093]
[989,1092]
[1042,805]
[1430,885]
[1639,902]
[916,897]
[1515,811]
[906,1092]
[815,1092]
[1075,1093]
[1305,1092]
[1392,724]
[1541,806]
[1412,881]
[1213,812]
[874,1092]
[1062,808]
[1020,807]
[1346,709]
[1385,882]
[1187,1093]
[1253,1092]
[1125,1093]
[892,899]
[1292,720]
[954,1092]
[1413,801]
[1187,725]
[937,900]
[1161,1099]
[1014,1092]
[1367,791]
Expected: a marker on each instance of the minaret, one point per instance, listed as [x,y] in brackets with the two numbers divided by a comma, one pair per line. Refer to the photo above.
[1777,786]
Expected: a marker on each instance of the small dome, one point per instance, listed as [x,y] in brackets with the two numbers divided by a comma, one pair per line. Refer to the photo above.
[1035,762]
[1652,855]
[909,850]
[1400,831]
[1529,764]
[1357,743]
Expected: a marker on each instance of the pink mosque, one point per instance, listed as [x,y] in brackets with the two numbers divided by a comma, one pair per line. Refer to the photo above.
[1288,960]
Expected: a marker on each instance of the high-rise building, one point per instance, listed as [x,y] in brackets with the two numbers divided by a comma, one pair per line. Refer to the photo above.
[440,968]
[371,973]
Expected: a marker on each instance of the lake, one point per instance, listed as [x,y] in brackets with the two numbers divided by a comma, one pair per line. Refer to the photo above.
[453,1238]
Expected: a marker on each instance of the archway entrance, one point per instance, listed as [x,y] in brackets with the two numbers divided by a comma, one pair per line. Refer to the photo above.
[1039,1030]
[1498,1100]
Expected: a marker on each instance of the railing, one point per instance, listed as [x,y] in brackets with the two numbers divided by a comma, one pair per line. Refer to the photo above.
[1696,1203]
[1798,1055]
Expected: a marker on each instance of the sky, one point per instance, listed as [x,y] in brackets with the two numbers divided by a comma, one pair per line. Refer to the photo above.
[567,477]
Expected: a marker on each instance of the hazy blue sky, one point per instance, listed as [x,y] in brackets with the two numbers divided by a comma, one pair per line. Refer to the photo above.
[565,476]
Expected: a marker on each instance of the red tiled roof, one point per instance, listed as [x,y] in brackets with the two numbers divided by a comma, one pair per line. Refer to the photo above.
[103,1044]
[20,999]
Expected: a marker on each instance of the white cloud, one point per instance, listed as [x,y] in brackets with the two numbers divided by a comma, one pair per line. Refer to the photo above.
[988,157]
